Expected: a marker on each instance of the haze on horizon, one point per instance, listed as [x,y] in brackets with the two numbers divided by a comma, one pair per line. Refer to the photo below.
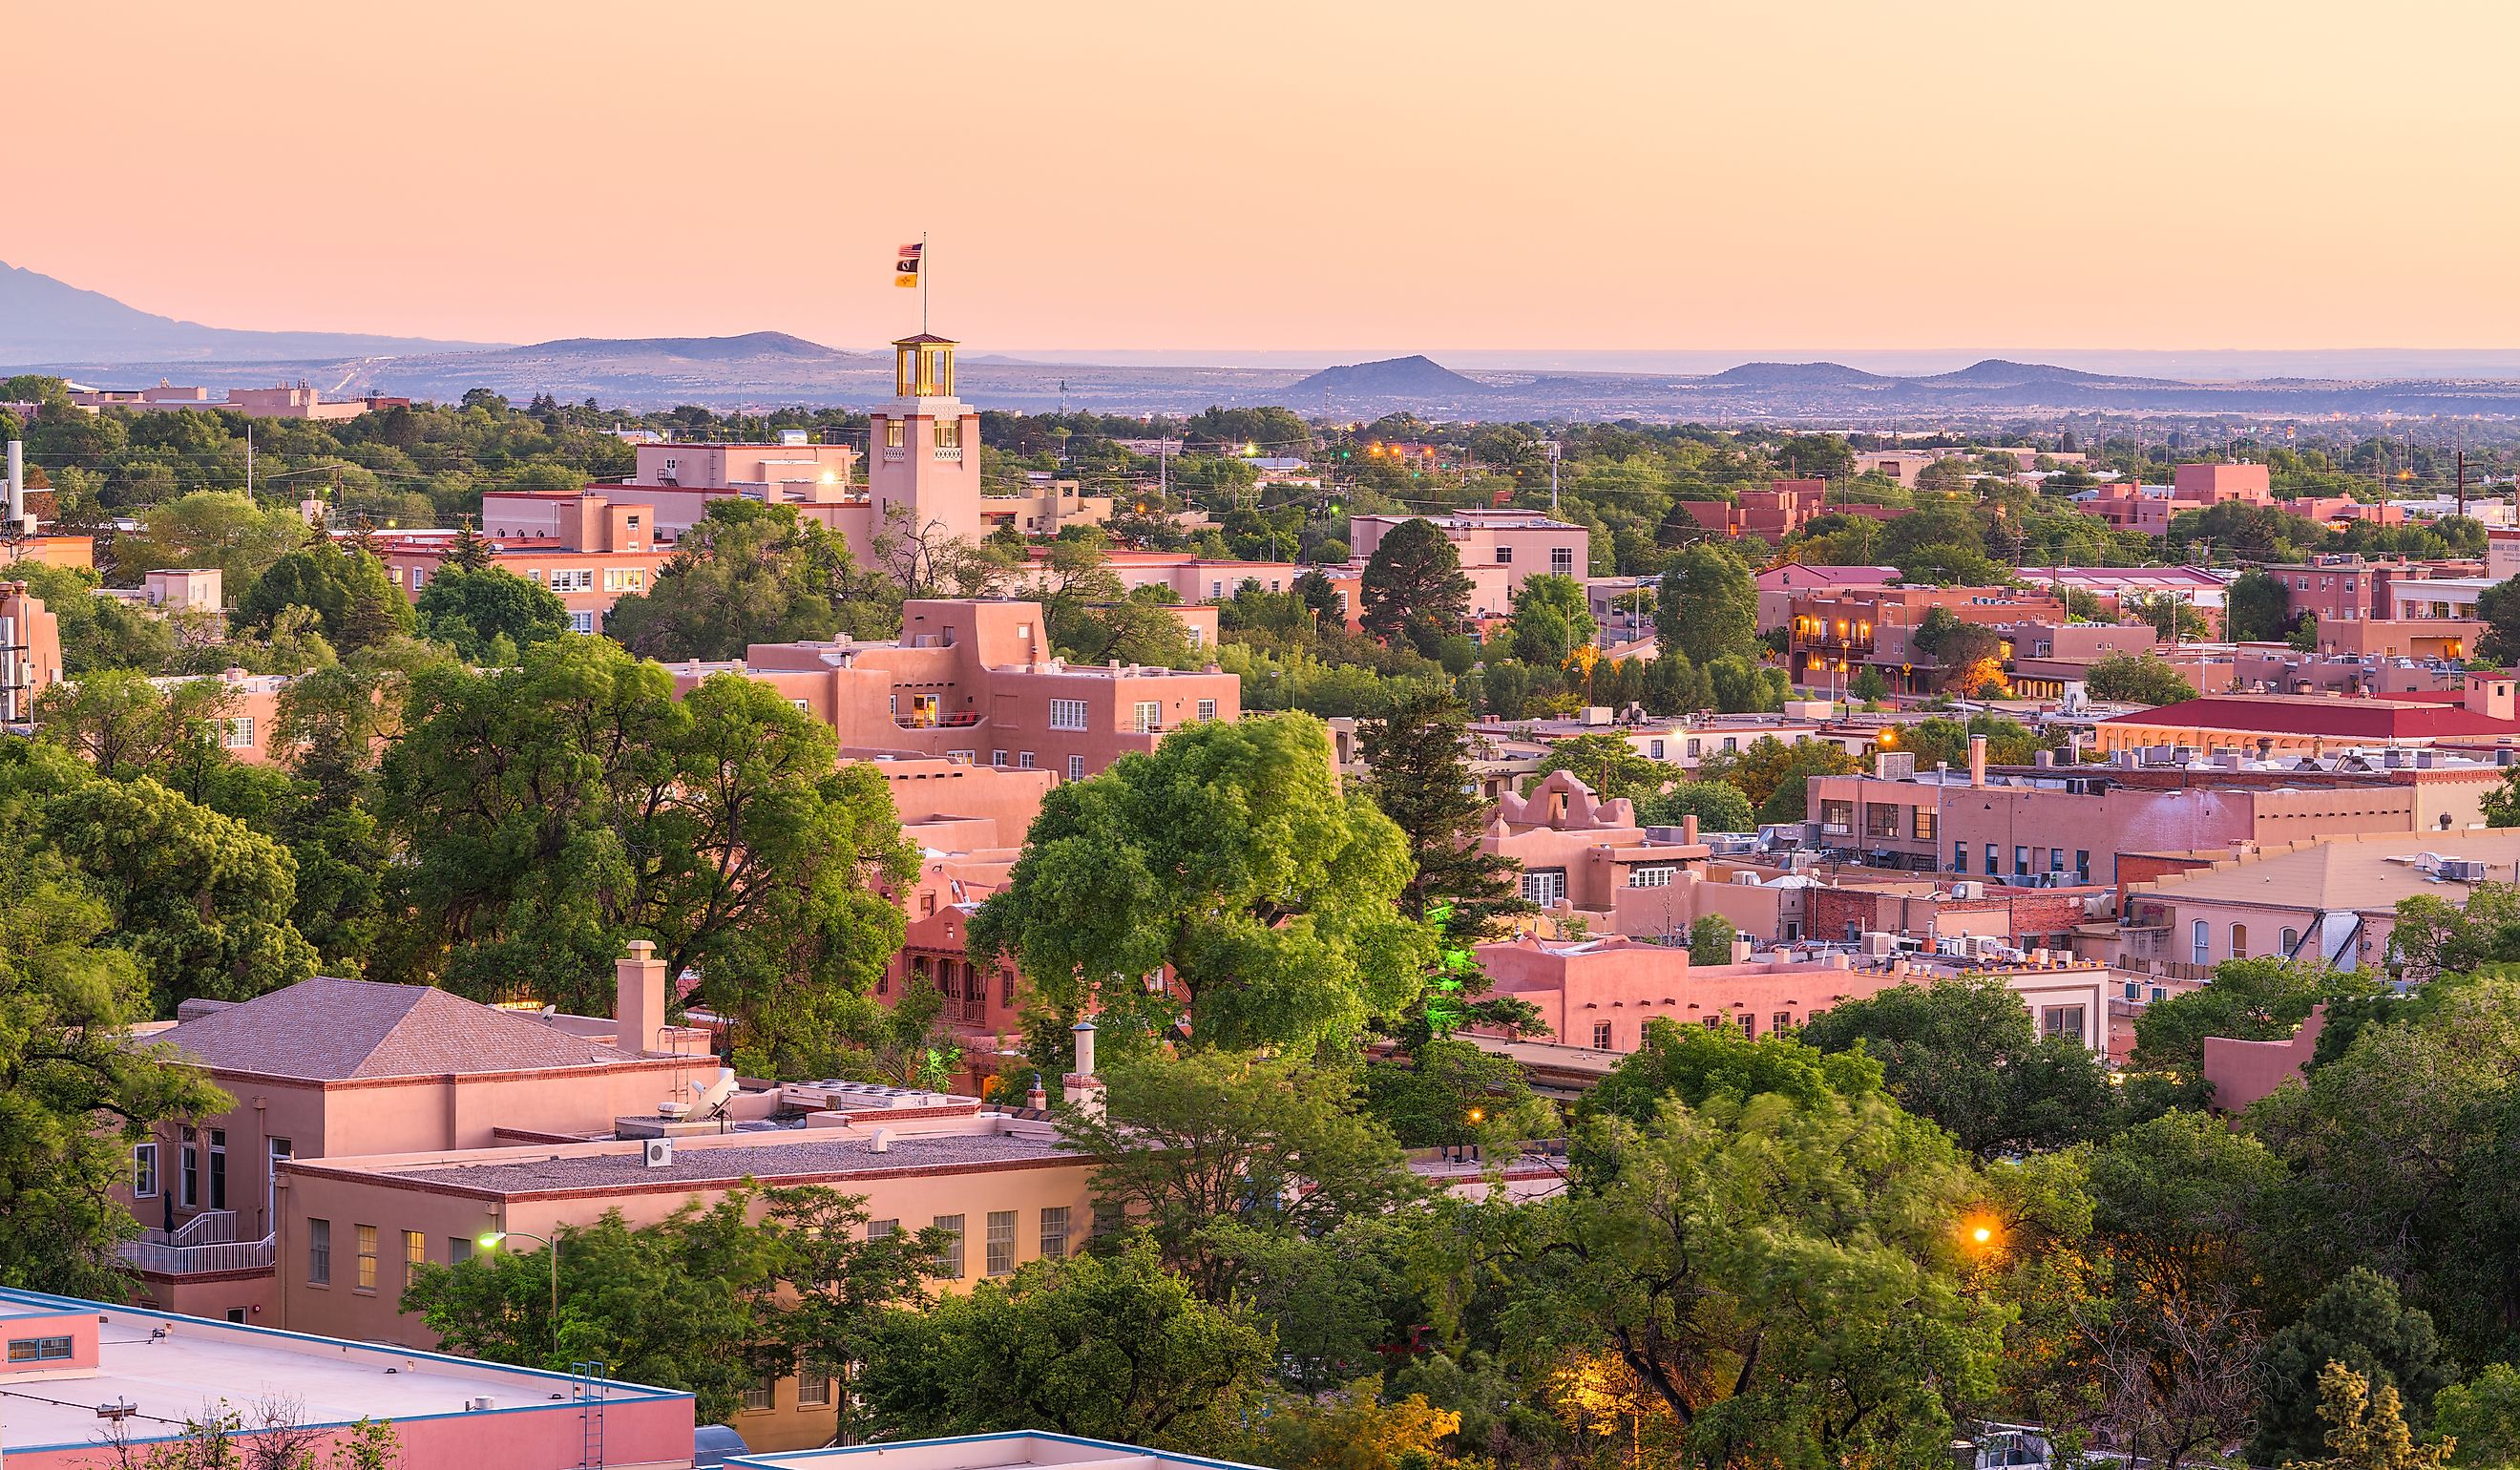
[1663,177]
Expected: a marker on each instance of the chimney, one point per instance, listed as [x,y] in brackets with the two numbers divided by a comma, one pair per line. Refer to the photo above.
[1689,828]
[1740,947]
[638,999]
[1083,1089]
[1038,1098]
[2044,759]
[1977,760]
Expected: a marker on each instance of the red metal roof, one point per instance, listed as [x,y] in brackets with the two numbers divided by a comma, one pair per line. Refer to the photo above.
[2341,719]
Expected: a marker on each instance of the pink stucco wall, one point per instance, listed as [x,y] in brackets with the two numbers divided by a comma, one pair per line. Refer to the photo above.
[2242,1072]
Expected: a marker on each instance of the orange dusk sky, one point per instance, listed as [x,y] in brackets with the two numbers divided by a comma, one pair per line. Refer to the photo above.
[1884,174]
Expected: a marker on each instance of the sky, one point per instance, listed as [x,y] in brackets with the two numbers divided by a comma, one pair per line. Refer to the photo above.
[1260,176]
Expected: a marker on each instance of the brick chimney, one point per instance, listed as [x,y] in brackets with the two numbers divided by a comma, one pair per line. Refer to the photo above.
[639,1000]
[1977,760]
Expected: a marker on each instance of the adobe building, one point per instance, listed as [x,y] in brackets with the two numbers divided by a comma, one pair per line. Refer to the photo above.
[1830,635]
[1578,851]
[78,1373]
[1601,993]
[2482,713]
[31,651]
[598,549]
[976,682]
[1523,543]
[282,401]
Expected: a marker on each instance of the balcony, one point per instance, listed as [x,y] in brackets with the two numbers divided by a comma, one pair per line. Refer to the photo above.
[201,1245]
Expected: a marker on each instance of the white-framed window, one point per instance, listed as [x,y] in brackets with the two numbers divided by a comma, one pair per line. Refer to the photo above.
[236,732]
[2200,942]
[1207,709]
[1545,886]
[573,579]
[396,574]
[803,704]
[1148,717]
[951,1258]
[144,1171]
[1076,768]
[1054,1232]
[1068,714]
[581,622]
[877,1229]
[1562,561]
[1649,878]
[419,578]
[1023,760]
[188,1166]
[624,578]
[997,758]
[1002,1244]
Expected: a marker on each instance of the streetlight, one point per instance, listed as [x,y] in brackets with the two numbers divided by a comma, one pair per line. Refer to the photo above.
[489,1241]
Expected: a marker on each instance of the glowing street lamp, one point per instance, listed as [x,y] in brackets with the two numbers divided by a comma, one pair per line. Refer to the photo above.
[489,1241]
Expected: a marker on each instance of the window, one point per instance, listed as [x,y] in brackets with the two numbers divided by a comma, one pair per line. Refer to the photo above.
[581,622]
[1994,861]
[2133,991]
[1001,1255]
[580,579]
[2081,865]
[144,1171]
[1006,987]
[415,1255]
[2290,940]
[319,1253]
[1780,1021]
[1068,714]
[2061,1020]
[2199,942]
[459,1249]
[1654,748]
[1880,819]
[218,1169]
[624,579]
[2021,861]
[1749,1024]
[367,1240]
[1959,857]
[1148,717]
[952,1256]
[892,436]
[38,1349]
[190,1196]
[761,1393]
[2239,941]
[1023,760]
[2159,993]
[1837,817]
[1207,709]
[419,577]
[236,733]
[1076,768]
[1922,825]
[1693,749]
[1505,556]
[2055,860]
[1054,1232]
[1650,877]
[1544,885]
[1562,561]
[949,433]
[877,1229]
[814,1392]
[1601,1035]
[998,759]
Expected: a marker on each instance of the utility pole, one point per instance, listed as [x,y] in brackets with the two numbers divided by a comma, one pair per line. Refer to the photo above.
[249,459]
[1555,449]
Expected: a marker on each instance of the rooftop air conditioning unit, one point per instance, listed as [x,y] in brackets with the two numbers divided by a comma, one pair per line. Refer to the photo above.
[657,1153]
[1746,879]
[1968,890]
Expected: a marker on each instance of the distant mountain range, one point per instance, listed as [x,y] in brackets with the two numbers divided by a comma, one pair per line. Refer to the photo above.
[45,322]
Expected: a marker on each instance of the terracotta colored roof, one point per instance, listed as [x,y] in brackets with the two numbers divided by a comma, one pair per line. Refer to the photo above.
[2323,715]
[339,1030]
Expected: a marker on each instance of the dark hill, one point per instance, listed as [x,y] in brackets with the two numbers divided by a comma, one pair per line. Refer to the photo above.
[44,320]
[1392,377]
[1795,375]
[704,349]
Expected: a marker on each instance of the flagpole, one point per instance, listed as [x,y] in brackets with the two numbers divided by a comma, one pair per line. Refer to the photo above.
[923,268]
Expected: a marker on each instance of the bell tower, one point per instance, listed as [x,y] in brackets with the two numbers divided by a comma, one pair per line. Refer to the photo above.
[923,445]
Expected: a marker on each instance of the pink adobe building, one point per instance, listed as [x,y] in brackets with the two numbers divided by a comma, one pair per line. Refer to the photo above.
[2483,713]
[976,682]
[598,549]
[1780,584]
[1523,542]
[1576,849]
[1602,993]
[70,1357]
[280,402]
[31,651]
[1771,514]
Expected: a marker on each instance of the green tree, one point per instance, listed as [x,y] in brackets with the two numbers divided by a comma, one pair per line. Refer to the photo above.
[2482,1416]
[2365,1428]
[1711,939]
[211,528]
[346,588]
[1552,619]
[2256,609]
[1779,1272]
[1451,1092]
[1110,1348]
[1613,769]
[1229,857]
[80,1088]
[1696,1063]
[2360,1323]
[1413,590]
[2249,1001]
[1962,650]
[752,573]
[1718,805]
[1217,1138]
[98,632]
[125,723]
[469,551]
[554,811]
[1963,1053]
[2499,607]
[471,610]
[1707,607]
[1419,777]
[2136,679]
[1869,685]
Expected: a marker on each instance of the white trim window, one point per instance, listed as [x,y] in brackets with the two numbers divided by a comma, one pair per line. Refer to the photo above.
[1068,714]
[144,1170]
[1650,877]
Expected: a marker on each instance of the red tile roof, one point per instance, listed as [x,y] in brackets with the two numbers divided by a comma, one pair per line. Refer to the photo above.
[2323,715]
[339,1030]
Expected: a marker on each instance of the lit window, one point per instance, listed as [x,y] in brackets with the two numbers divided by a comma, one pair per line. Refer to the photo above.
[366,1258]
[38,1349]
[415,1255]
[892,434]
[1054,1232]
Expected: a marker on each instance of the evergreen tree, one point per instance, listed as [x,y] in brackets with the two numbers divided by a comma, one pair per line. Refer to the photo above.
[1422,780]
[467,552]
[2360,1323]
[1413,590]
